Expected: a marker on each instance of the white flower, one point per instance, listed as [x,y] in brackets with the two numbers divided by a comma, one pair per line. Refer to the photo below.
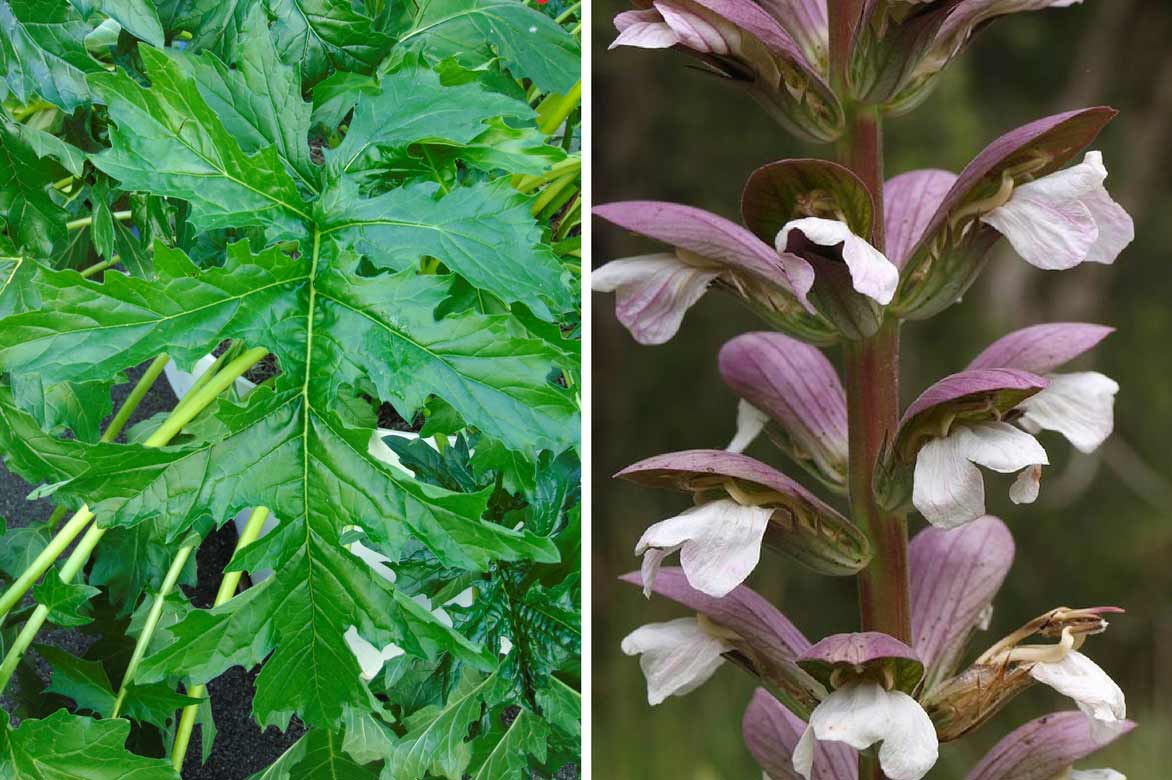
[750,422]
[1065,218]
[653,292]
[676,657]
[863,713]
[1079,406]
[719,544]
[1095,774]
[1083,680]
[872,274]
[949,489]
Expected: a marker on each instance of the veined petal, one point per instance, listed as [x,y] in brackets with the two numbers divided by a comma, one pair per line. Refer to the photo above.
[796,385]
[1083,680]
[1080,406]
[1041,349]
[910,202]
[750,422]
[1043,748]
[948,489]
[694,31]
[719,543]
[861,714]
[676,657]
[771,733]
[1065,218]
[872,274]
[1051,235]
[644,29]
[653,292]
[954,577]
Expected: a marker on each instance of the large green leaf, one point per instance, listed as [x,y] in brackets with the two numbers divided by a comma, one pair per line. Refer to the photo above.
[67,746]
[325,34]
[169,141]
[34,219]
[42,51]
[529,42]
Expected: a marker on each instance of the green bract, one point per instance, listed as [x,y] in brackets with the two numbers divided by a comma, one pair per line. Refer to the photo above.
[386,204]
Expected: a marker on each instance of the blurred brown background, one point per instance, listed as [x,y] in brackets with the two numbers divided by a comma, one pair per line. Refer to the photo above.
[1101,532]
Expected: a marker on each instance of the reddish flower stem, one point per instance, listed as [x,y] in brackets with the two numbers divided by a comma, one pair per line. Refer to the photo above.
[871,377]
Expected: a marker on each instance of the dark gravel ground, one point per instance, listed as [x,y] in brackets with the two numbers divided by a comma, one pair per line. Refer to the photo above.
[241,748]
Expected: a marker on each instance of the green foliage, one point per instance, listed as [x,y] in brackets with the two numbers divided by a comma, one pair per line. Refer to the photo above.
[337,184]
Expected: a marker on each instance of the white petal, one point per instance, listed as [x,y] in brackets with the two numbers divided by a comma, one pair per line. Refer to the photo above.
[1065,218]
[676,657]
[861,714]
[649,570]
[694,31]
[803,756]
[644,29]
[1096,774]
[872,274]
[750,422]
[1026,487]
[1079,406]
[653,293]
[1083,680]
[949,490]
[720,543]
[1001,447]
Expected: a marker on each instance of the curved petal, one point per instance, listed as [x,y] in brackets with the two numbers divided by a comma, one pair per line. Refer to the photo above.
[858,650]
[676,657]
[653,293]
[948,489]
[750,422]
[703,233]
[1042,349]
[910,201]
[771,733]
[719,543]
[1043,748]
[954,578]
[1066,218]
[807,23]
[743,610]
[996,389]
[951,251]
[861,714]
[1079,406]
[644,29]
[768,637]
[1083,680]
[796,385]
[1051,235]
[872,274]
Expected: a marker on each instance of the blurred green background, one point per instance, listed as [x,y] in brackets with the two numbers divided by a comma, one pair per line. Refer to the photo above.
[1101,532]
